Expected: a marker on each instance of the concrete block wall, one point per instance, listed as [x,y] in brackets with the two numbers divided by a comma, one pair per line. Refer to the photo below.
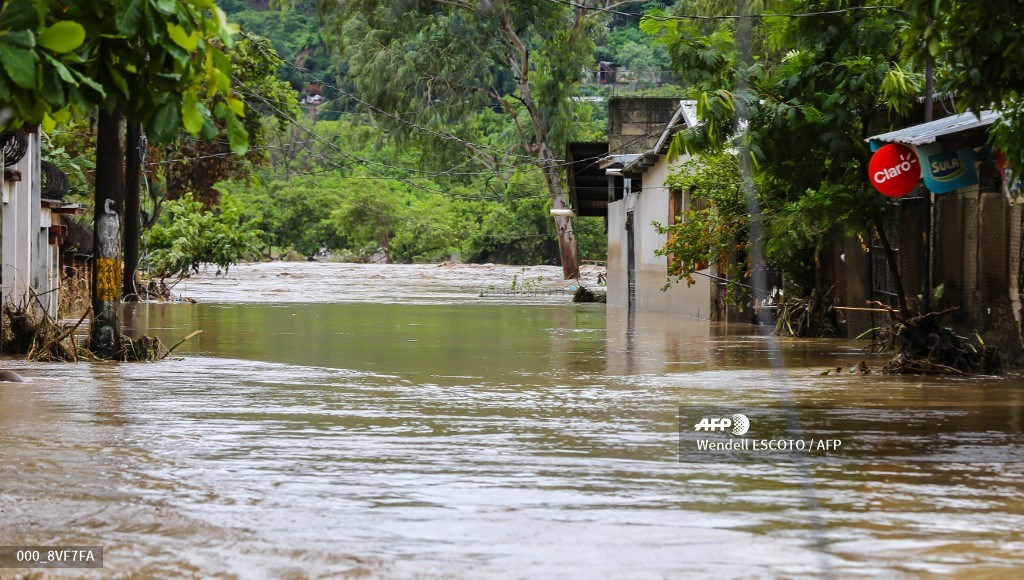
[29,264]
[636,123]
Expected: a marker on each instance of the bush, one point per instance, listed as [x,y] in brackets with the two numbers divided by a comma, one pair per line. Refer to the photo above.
[187,236]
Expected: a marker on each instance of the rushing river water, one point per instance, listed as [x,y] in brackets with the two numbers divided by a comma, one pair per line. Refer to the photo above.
[403,426]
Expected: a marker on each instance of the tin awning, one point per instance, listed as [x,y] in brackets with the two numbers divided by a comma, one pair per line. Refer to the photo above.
[930,132]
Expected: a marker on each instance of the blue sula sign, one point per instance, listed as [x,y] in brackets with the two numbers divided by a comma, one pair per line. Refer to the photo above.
[943,171]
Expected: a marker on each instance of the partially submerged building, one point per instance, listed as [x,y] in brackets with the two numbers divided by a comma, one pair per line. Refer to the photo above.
[625,181]
[975,218]
[30,227]
[973,252]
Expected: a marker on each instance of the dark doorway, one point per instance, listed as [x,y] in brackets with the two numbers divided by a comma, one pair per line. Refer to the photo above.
[630,261]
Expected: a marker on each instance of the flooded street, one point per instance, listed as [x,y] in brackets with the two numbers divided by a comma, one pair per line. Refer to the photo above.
[354,420]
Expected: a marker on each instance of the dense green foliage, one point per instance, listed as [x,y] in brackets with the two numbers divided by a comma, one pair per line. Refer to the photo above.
[978,48]
[151,59]
[309,200]
[795,98]
[190,237]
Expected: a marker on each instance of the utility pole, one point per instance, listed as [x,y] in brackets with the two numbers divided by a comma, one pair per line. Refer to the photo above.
[105,330]
[926,275]
[134,147]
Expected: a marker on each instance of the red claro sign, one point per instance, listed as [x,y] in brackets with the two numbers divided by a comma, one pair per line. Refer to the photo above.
[894,170]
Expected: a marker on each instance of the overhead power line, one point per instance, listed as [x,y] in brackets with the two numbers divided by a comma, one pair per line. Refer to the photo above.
[447,136]
[670,17]
[440,135]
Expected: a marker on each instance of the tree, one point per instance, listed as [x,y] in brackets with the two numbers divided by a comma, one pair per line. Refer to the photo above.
[147,61]
[796,98]
[422,66]
[192,235]
[979,54]
[153,60]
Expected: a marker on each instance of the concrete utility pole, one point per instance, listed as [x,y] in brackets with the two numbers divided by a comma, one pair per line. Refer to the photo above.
[105,331]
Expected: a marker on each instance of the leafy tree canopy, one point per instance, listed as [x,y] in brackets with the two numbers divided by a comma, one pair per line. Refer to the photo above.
[152,59]
[978,48]
[794,98]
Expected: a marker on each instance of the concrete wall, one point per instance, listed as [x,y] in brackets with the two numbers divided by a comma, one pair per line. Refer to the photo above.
[27,259]
[651,270]
[17,220]
[635,124]
[617,291]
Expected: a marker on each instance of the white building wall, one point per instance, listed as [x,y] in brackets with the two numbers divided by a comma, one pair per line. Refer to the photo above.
[27,260]
[617,291]
[651,205]
[17,229]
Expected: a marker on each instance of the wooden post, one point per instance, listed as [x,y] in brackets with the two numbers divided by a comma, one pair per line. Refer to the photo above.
[132,209]
[105,330]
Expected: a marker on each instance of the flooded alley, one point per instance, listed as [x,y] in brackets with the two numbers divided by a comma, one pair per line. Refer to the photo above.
[389,421]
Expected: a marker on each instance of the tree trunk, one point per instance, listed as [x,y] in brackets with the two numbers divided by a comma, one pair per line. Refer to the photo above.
[132,210]
[105,330]
[519,61]
[563,225]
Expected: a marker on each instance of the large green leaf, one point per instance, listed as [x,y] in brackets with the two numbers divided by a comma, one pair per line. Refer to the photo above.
[209,130]
[118,79]
[190,115]
[62,70]
[237,136]
[155,28]
[162,127]
[129,16]
[168,7]
[89,82]
[20,64]
[183,39]
[62,37]
[21,38]
[53,88]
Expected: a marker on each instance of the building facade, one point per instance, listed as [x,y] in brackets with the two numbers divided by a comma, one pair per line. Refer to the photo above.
[626,183]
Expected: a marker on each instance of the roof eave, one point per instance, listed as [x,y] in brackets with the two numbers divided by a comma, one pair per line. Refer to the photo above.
[930,132]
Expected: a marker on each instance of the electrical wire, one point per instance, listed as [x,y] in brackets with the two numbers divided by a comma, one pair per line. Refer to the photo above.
[446,136]
[672,17]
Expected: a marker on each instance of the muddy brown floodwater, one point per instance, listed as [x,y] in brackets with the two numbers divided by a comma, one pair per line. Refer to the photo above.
[387,421]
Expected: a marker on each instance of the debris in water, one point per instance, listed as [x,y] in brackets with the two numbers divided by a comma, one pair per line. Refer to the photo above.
[584,294]
[922,346]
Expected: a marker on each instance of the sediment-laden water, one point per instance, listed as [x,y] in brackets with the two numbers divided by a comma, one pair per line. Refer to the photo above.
[388,421]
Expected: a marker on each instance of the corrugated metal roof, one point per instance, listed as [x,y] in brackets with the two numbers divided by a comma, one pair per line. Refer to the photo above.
[689,108]
[613,163]
[928,132]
